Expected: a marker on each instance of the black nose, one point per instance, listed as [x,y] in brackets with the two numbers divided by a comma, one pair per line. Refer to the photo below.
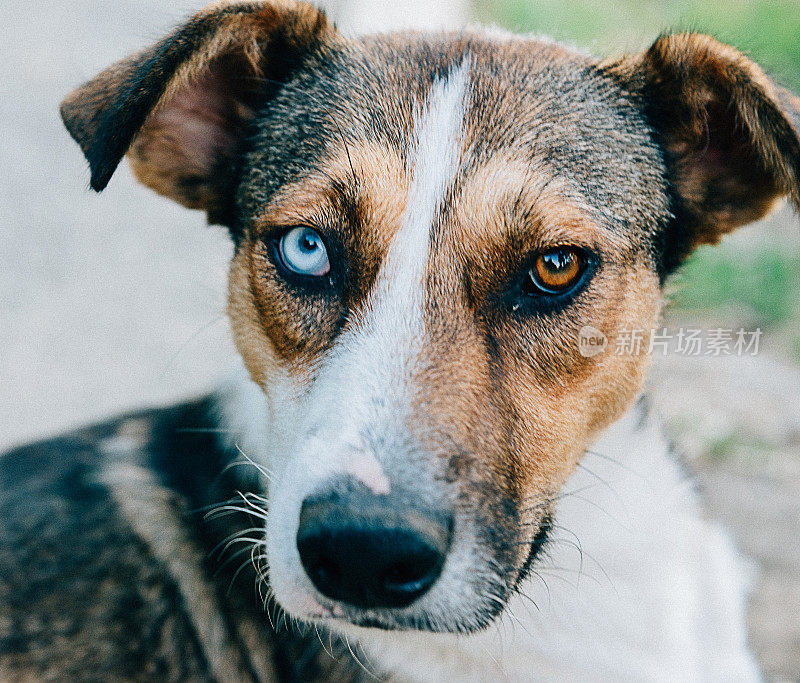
[368,550]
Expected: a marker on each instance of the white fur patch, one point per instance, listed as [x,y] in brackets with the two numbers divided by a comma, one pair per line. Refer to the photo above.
[365,468]
[437,149]
[243,411]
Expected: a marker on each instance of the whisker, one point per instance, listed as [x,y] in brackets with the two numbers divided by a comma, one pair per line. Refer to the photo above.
[598,477]
[233,556]
[236,508]
[231,536]
[236,575]
[550,501]
[552,572]
[527,597]
[616,462]
[246,498]
[358,661]
[584,553]
[260,468]
[319,637]
[600,508]
[212,506]
[243,539]
[261,499]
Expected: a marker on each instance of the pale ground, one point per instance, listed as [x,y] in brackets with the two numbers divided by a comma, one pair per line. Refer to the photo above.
[116,301]
[747,411]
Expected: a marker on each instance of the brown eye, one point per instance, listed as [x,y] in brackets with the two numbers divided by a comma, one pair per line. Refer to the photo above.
[555,271]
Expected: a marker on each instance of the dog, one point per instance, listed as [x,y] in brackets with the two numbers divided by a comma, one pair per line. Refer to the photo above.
[417,475]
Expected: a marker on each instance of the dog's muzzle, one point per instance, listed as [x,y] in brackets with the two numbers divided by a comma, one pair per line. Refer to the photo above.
[371,551]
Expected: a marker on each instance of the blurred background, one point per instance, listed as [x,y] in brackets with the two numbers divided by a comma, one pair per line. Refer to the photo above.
[116,301]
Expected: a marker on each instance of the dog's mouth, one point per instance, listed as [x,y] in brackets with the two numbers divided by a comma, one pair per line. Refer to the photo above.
[537,548]
[466,595]
[474,619]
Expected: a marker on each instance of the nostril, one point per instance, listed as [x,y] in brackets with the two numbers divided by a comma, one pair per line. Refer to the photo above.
[412,575]
[373,557]
[401,575]
[368,567]
[322,571]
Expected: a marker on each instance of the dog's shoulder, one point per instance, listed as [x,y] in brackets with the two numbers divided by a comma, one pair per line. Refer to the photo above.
[80,591]
[109,567]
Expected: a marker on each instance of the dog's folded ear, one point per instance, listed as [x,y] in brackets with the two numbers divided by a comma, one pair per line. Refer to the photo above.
[731,136]
[181,108]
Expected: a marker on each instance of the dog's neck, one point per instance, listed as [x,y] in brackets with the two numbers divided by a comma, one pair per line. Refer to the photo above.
[634,583]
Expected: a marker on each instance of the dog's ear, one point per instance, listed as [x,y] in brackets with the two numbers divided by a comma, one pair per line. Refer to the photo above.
[731,137]
[181,109]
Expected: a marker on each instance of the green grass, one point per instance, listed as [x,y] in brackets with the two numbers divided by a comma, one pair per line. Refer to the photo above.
[769,30]
[765,280]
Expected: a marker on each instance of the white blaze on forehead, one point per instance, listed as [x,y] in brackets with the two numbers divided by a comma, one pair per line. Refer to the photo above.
[364,382]
[433,162]
[373,361]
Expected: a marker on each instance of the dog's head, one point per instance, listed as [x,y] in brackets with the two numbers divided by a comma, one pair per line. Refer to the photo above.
[423,225]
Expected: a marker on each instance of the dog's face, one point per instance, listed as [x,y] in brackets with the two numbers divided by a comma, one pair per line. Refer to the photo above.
[423,225]
[427,236]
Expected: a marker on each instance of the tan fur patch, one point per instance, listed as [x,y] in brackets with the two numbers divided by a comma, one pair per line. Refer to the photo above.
[372,175]
[260,357]
[360,216]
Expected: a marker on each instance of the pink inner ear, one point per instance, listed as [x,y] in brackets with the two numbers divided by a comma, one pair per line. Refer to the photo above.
[202,121]
[187,144]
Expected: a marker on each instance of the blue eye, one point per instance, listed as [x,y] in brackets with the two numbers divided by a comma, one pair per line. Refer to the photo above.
[303,252]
